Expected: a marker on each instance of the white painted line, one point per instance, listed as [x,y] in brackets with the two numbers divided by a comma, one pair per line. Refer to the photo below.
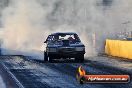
[2,84]
[13,77]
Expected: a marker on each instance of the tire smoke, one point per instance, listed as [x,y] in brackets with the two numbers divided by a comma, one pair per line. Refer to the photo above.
[27,23]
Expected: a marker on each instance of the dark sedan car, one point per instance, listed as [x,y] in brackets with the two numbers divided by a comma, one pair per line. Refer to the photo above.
[64,45]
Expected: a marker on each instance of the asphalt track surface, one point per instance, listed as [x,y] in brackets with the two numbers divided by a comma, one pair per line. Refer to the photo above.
[34,73]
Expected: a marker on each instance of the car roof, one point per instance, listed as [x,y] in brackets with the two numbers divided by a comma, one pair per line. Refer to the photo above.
[61,33]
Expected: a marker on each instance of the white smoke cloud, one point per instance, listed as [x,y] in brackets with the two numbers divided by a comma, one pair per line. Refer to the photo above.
[27,23]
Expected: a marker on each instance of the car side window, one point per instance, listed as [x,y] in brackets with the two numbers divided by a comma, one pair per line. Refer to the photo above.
[51,39]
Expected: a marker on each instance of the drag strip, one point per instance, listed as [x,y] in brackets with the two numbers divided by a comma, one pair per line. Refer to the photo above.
[31,72]
[9,79]
[18,76]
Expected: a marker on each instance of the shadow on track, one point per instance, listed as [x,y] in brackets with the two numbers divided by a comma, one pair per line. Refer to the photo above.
[60,61]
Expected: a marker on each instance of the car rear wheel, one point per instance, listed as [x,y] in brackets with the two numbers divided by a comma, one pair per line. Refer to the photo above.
[50,59]
[80,58]
[45,56]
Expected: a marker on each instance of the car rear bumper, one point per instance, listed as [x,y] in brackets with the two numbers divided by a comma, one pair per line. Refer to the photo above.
[65,55]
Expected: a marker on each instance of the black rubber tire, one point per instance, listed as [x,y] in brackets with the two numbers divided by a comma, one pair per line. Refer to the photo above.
[50,59]
[76,59]
[45,56]
[80,58]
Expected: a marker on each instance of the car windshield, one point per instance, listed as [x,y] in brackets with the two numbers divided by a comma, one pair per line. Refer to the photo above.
[59,37]
[70,37]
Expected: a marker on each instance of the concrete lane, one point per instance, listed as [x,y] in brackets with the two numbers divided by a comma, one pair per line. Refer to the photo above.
[34,73]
